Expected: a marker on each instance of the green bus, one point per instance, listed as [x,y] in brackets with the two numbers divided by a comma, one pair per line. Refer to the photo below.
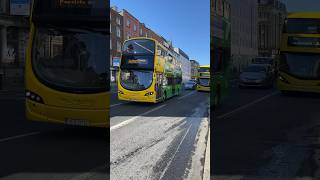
[220,50]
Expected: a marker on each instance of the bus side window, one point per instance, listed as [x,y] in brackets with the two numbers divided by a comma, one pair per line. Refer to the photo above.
[163,52]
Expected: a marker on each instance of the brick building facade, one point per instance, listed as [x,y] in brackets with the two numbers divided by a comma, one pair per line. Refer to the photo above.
[131,25]
[116,39]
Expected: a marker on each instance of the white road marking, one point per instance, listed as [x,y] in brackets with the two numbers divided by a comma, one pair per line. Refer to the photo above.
[190,93]
[247,105]
[114,105]
[124,123]
[171,159]
[18,136]
[89,175]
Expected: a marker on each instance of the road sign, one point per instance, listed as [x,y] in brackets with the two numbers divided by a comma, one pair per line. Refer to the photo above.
[116,62]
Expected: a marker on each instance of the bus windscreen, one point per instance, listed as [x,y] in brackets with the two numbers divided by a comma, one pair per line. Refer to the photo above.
[302,26]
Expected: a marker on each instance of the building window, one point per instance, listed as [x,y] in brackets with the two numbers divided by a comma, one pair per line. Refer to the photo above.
[118,21]
[128,22]
[128,35]
[118,46]
[134,27]
[118,32]
[141,32]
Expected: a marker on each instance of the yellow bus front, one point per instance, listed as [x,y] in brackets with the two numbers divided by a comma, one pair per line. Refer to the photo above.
[299,62]
[67,76]
[203,79]
[137,76]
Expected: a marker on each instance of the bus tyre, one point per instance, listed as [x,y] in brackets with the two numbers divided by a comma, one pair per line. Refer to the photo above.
[285,93]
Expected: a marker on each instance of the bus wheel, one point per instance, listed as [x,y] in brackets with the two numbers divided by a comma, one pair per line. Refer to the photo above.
[285,93]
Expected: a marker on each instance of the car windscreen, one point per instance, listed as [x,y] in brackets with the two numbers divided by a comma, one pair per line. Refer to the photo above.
[255,69]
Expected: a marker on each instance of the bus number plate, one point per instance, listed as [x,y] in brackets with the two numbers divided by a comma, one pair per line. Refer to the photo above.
[76,122]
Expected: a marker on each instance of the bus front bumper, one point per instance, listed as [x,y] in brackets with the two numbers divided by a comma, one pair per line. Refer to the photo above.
[203,88]
[282,86]
[78,117]
[137,98]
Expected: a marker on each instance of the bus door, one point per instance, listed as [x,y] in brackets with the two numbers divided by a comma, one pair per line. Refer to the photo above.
[158,87]
[173,85]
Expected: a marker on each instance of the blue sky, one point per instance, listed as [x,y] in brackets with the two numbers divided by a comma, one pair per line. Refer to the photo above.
[185,23]
[302,5]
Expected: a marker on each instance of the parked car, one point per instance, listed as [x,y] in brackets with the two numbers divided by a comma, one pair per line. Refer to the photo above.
[190,85]
[266,60]
[257,75]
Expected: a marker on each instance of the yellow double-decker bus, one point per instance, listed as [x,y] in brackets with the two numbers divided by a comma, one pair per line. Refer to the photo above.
[148,72]
[299,62]
[67,66]
[203,79]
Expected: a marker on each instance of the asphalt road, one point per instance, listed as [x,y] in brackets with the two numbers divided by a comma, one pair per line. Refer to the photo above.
[40,151]
[159,141]
[261,134]
[148,141]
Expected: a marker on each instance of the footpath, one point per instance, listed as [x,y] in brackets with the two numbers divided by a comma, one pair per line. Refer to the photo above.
[206,167]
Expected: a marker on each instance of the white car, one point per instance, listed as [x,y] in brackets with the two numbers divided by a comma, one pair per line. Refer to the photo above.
[190,85]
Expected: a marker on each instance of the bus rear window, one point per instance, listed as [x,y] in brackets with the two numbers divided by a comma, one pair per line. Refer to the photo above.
[302,26]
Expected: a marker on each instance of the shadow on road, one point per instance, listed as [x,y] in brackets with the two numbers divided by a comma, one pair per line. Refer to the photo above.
[307,95]
[179,106]
[68,151]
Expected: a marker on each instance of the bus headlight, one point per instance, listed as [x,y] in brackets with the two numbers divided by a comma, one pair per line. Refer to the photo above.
[281,78]
[34,97]
[149,94]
